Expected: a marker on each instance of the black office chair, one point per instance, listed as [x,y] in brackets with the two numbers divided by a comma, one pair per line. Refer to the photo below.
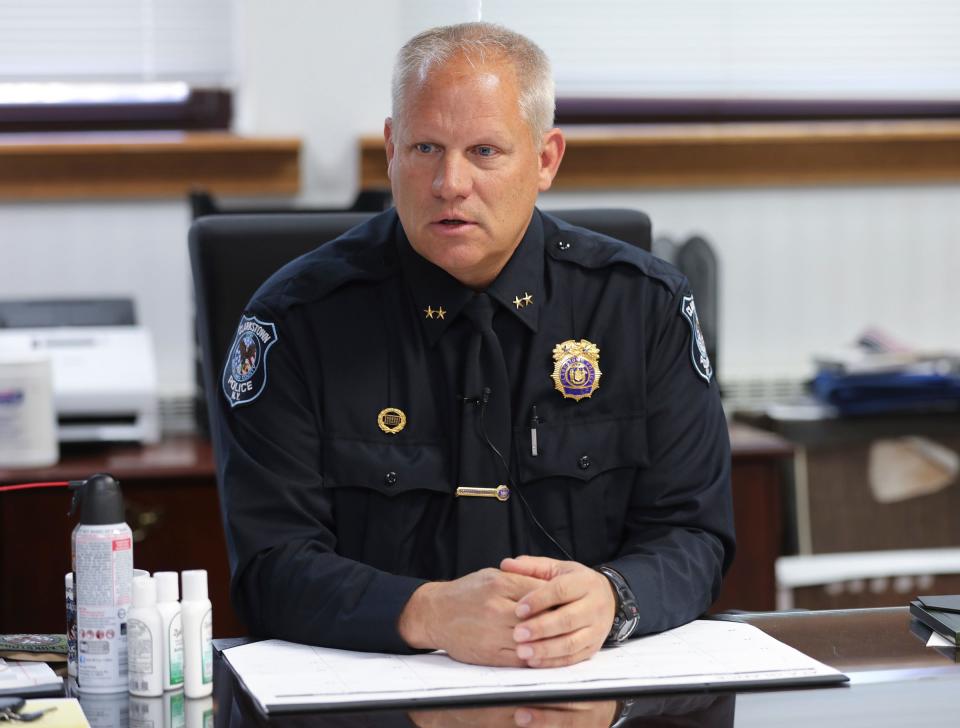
[202,204]
[231,255]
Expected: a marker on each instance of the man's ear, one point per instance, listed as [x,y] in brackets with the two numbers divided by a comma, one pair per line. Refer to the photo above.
[551,153]
[388,143]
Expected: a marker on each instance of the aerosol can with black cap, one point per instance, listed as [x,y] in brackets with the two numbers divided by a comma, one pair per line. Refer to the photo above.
[102,574]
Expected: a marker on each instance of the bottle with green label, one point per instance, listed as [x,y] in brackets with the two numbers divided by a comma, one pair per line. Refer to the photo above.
[168,604]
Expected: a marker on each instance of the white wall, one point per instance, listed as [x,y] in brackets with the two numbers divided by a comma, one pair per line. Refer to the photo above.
[804,269]
[321,71]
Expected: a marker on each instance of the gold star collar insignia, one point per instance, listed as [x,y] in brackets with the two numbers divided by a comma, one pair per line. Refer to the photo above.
[522,301]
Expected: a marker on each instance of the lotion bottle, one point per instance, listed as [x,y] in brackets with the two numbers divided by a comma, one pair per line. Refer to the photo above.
[144,627]
[168,604]
[197,616]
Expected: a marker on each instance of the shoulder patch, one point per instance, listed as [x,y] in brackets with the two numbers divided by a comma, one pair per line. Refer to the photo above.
[245,373]
[698,345]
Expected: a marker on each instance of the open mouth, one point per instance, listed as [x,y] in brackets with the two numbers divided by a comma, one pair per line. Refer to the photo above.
[452,222]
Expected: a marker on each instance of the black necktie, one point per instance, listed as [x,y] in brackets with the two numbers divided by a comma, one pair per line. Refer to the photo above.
[483,528]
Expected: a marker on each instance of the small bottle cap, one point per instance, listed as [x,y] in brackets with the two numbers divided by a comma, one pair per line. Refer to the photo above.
[194,585]
[144,592]
[168,586]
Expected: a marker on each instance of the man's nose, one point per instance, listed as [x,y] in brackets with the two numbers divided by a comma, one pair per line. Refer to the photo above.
[453,178]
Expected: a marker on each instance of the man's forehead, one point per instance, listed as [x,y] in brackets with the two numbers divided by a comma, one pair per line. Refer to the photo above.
[462,72]
[468,87]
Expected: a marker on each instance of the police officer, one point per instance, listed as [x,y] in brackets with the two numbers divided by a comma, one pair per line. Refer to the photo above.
[466,425]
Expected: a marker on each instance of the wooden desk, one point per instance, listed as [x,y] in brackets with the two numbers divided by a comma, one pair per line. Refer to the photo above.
[836,508]
[173,509]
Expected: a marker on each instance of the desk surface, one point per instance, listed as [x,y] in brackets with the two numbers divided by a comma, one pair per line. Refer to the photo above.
[895,680]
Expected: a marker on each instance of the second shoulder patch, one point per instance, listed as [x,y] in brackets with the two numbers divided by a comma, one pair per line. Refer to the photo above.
[698,345]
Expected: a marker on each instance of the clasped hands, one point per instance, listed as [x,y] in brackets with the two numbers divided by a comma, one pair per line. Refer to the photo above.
[533,611]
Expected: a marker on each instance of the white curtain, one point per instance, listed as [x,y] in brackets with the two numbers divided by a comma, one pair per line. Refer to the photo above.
[117,41]
[764,49]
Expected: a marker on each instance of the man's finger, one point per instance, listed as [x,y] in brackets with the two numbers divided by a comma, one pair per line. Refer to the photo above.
[554,593]
[598,714]
[539,567]
[564,660]
[571,643]
[553,623]
[516,586]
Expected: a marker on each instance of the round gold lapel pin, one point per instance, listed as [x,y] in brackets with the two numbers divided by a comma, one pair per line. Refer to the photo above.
[391,420]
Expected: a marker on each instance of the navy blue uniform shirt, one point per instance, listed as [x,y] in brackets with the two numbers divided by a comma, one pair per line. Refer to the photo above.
[333,523]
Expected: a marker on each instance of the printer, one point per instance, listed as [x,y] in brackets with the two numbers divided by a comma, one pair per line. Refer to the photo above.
[104,371]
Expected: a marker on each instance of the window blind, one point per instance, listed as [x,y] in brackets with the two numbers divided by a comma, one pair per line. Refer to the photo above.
[117,41]
[766,49]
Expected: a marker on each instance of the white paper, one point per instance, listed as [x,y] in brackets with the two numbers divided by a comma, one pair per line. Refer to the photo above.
[279,674]
[26,677]
[938,640]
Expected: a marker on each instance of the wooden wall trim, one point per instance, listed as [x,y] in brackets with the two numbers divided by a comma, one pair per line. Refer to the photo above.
[731,155]
[145,165]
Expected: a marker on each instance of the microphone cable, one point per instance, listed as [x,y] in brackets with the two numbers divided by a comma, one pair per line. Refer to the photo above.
[485,397]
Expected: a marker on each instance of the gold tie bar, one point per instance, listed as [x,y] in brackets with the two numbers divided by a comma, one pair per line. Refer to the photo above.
[501,492]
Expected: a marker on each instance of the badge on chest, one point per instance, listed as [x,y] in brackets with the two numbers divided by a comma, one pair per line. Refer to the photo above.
[576,371]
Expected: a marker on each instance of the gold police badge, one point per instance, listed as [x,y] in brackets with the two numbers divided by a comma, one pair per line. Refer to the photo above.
[576,372]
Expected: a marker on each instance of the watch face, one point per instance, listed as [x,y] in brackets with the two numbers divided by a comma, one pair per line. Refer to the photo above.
[623,630]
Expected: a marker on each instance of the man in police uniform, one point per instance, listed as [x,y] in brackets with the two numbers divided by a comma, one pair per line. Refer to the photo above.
[466,425]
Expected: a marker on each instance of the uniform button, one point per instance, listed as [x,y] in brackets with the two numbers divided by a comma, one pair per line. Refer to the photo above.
[584,462]
[563,245]
[390,478]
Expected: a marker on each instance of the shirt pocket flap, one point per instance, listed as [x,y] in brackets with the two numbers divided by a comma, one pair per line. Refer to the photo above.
[583,450]
[388,468]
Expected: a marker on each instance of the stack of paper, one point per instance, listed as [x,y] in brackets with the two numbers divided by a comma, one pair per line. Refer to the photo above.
[283,676]
[28,678]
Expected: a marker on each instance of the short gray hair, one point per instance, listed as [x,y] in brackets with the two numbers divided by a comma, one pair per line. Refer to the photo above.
[478,41]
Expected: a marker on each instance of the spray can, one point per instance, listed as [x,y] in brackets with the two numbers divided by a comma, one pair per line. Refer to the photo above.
[102,574]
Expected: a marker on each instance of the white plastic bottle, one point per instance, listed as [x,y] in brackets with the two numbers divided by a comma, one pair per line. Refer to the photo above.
[168,604]
[197,616]
[144,630]
[102,572]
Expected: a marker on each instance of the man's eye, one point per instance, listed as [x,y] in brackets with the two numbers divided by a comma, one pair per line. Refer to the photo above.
[485,151]
[424,148]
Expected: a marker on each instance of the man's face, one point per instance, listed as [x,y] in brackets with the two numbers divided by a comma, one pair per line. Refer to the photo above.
[465,170]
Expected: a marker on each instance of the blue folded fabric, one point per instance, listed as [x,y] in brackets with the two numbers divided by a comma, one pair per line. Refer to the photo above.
[860,394]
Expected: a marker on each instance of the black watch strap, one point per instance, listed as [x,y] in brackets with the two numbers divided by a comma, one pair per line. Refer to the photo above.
[627,615]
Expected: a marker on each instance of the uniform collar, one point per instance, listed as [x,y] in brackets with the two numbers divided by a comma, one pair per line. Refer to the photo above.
[439,297]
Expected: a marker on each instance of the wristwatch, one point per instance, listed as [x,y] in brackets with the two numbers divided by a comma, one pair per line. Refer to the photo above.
[627,616]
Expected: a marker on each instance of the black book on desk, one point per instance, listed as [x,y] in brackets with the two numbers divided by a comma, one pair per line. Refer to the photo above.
[939,613]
